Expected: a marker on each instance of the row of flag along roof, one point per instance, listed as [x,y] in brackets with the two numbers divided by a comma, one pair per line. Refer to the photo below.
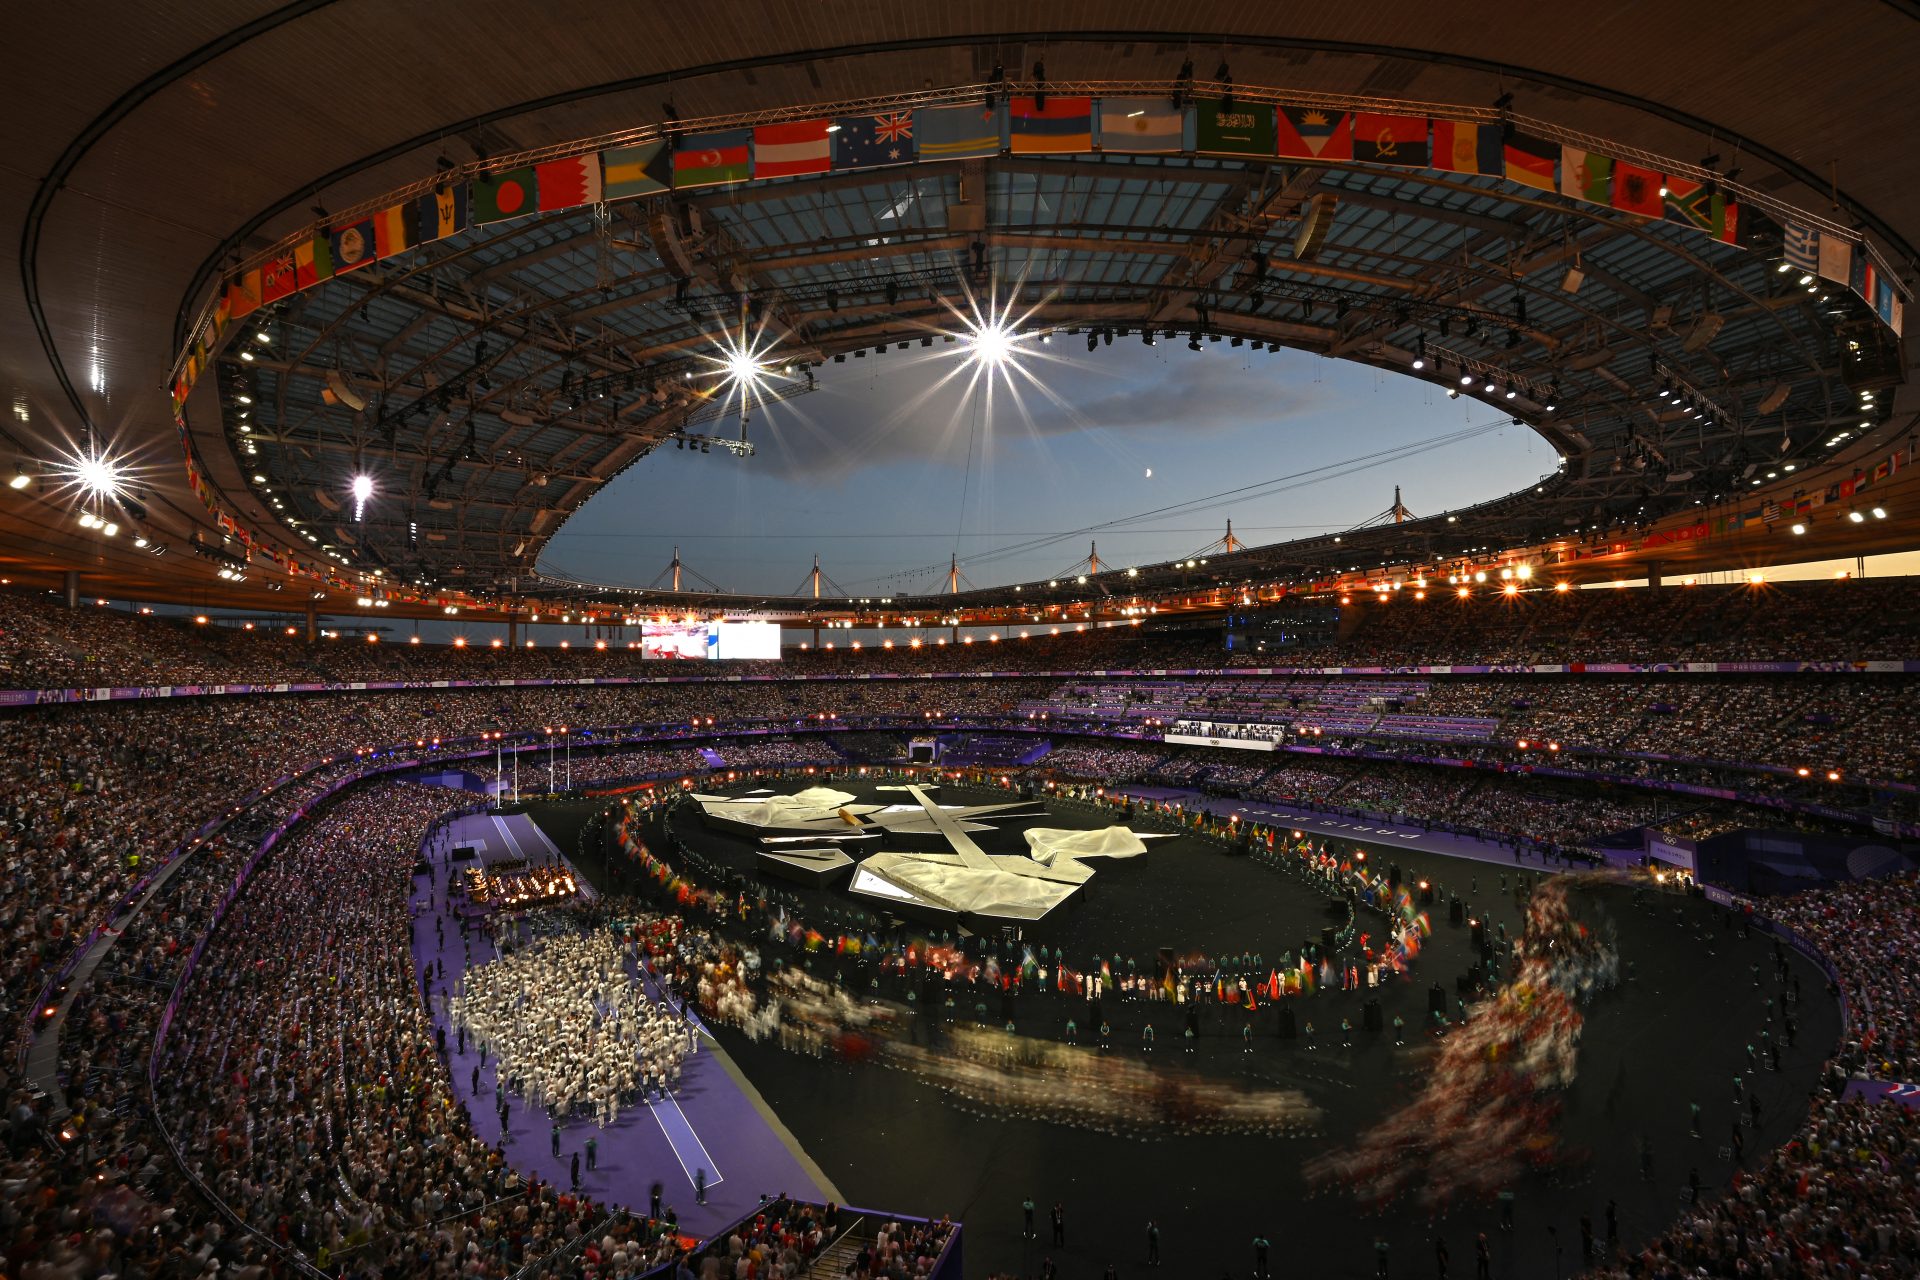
[1049,126]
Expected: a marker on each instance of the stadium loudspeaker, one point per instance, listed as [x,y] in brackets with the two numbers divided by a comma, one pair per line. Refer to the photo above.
[1456,912]
[1479,935]
[1326,940]
[1287,1029]
[1437,999]
[663,229]
[1315,223]
[1370,1015]
[1393,875]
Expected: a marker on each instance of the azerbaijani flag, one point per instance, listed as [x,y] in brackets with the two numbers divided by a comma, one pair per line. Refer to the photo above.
[710,159]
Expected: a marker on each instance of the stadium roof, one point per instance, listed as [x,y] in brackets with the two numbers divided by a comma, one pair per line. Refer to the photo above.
[492,381]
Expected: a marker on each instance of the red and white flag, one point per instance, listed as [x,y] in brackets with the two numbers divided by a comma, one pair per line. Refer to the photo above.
[784,150]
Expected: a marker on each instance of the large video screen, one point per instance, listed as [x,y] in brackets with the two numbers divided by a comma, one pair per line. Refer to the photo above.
[702,640]
[674,640]
[746,640]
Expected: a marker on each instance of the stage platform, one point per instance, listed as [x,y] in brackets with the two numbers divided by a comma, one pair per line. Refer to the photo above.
[717,1123]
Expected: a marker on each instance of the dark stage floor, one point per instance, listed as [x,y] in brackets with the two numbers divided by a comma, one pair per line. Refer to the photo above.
[1676,1033]
[1181,893]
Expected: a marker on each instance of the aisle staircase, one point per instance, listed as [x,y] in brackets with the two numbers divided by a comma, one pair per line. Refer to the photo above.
[837,1258]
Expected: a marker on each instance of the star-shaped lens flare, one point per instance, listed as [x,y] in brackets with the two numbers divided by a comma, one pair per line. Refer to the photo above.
[93,473]
[743,371]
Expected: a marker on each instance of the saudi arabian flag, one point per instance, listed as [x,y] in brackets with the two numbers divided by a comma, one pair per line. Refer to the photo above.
[1234,128]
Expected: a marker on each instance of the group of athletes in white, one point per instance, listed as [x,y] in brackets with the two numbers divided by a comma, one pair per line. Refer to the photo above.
[572,1028]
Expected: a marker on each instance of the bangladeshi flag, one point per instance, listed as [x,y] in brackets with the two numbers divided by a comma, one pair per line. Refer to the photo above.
[494,197]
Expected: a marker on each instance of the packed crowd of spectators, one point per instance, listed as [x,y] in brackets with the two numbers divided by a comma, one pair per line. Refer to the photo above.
[1869,930]
[1839,1200]
[45,646]
[95,795]
[1843,1197]
[301,1079]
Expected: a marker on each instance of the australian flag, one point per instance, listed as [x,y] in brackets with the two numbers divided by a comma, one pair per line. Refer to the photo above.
[863,142]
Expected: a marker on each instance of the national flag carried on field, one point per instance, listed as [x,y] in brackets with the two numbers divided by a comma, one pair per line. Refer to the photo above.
[495,197]
[1459,147]
[1383,139]
[567,184]
[443,212]
[1586,175]
[953,133]
[1060,126]
[709,159]
[1233,129]
[396,228]
[1637,190]
[1311,133]
[1531,161]
[351,246]
[1141,125]
[639,170]
[788,150]
[243,294]
[312,261]
[279,276]
[862,142]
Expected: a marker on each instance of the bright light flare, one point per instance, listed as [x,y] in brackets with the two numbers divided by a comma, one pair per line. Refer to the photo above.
[991,344]
[744,366]
[97,475]
[362,490]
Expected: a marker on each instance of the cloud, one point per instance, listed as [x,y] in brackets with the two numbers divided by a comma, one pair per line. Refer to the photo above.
[1196,393]
[837,434]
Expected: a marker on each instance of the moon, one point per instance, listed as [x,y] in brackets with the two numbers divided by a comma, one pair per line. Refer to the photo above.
[1149,473]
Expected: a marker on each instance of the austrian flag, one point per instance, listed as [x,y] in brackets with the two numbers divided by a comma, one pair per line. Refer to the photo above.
[788,150]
